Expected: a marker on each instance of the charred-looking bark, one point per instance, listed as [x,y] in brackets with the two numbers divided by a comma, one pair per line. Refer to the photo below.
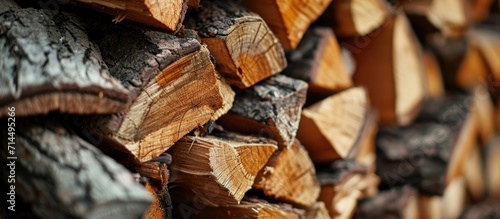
[59,175]
[49,64]
[394,203]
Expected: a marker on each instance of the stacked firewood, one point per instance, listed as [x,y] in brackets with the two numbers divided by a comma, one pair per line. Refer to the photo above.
[251,109]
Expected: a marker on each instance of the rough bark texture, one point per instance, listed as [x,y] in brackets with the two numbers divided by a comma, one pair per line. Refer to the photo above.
[245,49]
[164,75]
[61,176]
[387,204]
[420,154]
[272,107]
[49,64]
[338,171]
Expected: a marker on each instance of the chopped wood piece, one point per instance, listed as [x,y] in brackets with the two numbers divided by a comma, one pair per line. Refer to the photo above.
[479,10]
[216,170]
[289,176]
[245,49]
[453,21]
[429,153]
[483,210]
[487,40]
[250,208]
[319,61]
[474,174]
[491,164]
[49,64]
[162,204]
[430,206]
[363,150]
[330,128]
[166,14]
[289,20]
[357,17]
[485,112]
[390,66]
[173,86]
[435,84]
[272,107]
[317,211]
[343,183]
[454,199]
[397,202]
[59,175]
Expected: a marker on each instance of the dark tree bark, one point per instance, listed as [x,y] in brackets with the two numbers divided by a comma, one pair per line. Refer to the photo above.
[388,204]
[49,64]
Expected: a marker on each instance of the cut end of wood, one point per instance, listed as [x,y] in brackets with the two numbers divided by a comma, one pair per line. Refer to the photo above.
[358,17]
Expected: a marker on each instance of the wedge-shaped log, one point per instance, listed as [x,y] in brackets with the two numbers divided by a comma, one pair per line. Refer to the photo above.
[59,175]
[49,64]
[318,60]
[289,176]
[173,88]
[491,163]
[454,199]
[435,84]
[271,108]
[289,20]
[245,49]
[356,17]
[363,150]
[216,170]
[397,202]
[474,176]
[317,211]
[165,14]
[330,128]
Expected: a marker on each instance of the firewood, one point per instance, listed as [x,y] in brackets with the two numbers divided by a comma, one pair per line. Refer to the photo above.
[271,107]
[429,153]
[486,39]
[435,84]
[251,208]
[343,183]
[357,17]
[161,208]
[289,20]
[474,174]
[430,206]
[390,66]
[450,54]
[216,170]
[453,21]
[491,164]
[317,211]
[195,4]
[245,49]
[397,202]
[49,64]
[363,150]
[485,113]
[167,15]
[479,10]
[330,128]
[318,60]
[289,176]
[483,210]
[59,175]
[173,86]
[454,199]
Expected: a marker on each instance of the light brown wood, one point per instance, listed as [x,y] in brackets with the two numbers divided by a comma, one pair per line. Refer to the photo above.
[435,84]
[330,128]
[485,112]
[450,16]
[245,49]
[216,170]
[289,176]
[357,17]
[165,14]
[492,163]
[474,174]
[289,20]
[364,149]
[430,206]
[487,40]
[318,60]
[454,199]
[317,211]
[473,70]
[390,66]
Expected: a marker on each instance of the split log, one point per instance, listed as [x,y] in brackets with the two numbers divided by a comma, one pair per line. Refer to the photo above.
[363,150]
[59,175]
[173,86]
[343,183]
[161,208]
[485,113]
[454,199]
[289,20]
[435,84]
[430,206]
[450,54]
[390,66]
[397,202]
[166,14]
[486,39]
[479,10]
[251,208]
[429,153]
[317,211]
[491,164]
[318,60]
[330,128]
[289,176]
[216,170]
[245,49]
[49,64]
[453,21]
[483,210]
[356,17]
[272,107]
[474,174]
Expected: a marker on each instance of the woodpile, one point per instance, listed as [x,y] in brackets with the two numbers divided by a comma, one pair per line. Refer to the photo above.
[250,109]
